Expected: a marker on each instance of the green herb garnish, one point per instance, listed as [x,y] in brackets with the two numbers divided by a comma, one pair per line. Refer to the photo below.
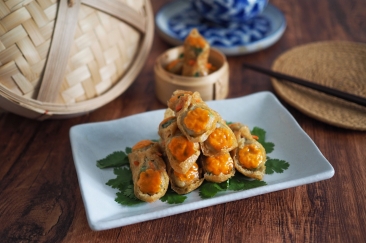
[239,182]
[171,197]
[124,178]
[210,189]
[276,165]
[127,197]
[268,146]
[118,158]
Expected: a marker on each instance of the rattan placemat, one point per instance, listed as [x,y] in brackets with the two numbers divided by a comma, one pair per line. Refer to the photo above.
[337,64]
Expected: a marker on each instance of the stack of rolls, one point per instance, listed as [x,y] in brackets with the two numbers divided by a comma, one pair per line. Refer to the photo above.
[196,144]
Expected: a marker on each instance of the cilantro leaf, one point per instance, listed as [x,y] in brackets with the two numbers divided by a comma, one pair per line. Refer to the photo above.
[128,191]
[128,150]
[210,189]
[261,133]
[124,177]
[239,182]
[127,200]
[172,197]
[276,165]
[118,158]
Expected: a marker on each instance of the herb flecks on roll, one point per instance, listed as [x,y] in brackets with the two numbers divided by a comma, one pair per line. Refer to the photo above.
[149,174]
[194,61]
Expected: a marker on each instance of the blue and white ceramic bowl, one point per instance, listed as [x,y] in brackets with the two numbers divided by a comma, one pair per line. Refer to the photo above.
[224,11]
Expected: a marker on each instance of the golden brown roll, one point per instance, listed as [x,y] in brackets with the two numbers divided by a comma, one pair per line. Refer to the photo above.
[196,53]
[221,140]
[250,156]
[185,183]
[218,168]
[197,122]
[149,174]
[167,128]
[176,66]
[181,100]
[181,152]
[168,113]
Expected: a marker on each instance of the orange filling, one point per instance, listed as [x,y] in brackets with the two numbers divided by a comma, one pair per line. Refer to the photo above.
[172,64]
[250,156]
[197,120]
[141,144]
[219,164]
[149,181]
[181,148]
[220,138]
[191,175]
[196,41]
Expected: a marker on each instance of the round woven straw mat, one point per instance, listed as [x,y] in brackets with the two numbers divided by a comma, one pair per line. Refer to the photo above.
[336,64]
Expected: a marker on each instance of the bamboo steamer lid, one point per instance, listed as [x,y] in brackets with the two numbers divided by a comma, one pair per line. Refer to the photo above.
[66,58]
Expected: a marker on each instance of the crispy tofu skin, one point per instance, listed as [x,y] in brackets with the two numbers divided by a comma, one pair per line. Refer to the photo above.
[221,140]
[218,168]
[181,100]
[196,53]
[149,174]
[197,122]
[250,156]
[181,153]
[185,183]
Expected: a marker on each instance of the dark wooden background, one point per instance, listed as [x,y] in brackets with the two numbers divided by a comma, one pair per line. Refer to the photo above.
[40,198]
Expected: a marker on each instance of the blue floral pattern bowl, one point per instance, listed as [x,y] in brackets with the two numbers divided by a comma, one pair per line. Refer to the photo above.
[224,11]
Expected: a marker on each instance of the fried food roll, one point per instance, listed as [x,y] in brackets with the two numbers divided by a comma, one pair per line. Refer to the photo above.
[181,152]
[149,174]
[196,53]
[181,100]
[176,66]
[197,122]
[218,168]
[167,128]
[168,113]
[221,140]
[250,156]
[185,183]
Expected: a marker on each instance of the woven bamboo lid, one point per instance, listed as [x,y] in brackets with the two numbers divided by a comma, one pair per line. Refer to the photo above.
[336,64]
[65,58]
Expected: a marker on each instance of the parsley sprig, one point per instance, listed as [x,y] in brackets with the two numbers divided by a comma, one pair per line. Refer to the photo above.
[276,165]
[261,133]
[118,158]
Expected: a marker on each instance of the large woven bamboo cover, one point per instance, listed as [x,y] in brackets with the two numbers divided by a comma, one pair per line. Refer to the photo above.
[109,45]
[336,64]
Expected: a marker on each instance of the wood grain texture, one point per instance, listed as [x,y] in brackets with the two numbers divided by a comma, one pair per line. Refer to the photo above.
[40,198]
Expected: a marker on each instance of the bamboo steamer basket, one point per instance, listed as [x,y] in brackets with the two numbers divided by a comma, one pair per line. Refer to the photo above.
[214,86]
[64,58]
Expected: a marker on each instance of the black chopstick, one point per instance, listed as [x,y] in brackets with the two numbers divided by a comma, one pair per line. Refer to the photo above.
[337,93]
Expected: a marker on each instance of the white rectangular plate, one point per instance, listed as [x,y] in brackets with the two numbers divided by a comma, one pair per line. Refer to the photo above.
[94,141]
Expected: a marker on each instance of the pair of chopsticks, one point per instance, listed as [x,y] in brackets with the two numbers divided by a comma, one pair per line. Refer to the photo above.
[330,91]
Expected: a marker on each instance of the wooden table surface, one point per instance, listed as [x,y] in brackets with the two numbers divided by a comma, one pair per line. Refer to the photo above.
[40,198]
